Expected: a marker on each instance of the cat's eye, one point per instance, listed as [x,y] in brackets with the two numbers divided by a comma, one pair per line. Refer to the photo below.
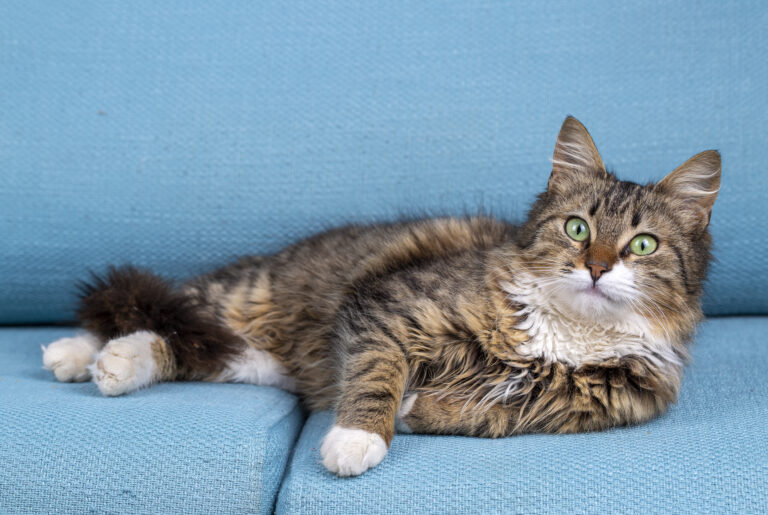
[577,229]
[643,244]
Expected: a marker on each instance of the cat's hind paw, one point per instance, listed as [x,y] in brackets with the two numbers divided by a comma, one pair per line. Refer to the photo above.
[125,364]
[68,358]
[350,452]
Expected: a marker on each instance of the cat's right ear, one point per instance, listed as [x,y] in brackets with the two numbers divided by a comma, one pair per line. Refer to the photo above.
[575,156]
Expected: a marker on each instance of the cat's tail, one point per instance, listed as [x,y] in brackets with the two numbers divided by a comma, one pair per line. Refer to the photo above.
[127,300]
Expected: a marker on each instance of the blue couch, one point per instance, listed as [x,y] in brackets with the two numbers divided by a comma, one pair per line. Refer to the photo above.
[177,136]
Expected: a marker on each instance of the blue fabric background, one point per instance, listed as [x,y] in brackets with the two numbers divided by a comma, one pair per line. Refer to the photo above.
[177,135]
[175,448]
[709,454]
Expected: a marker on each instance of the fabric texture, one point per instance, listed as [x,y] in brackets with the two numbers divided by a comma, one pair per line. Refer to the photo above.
[173,448]
[177,136]
[708,454]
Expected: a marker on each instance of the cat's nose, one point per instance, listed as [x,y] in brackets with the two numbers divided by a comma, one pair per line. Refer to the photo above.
[597,268]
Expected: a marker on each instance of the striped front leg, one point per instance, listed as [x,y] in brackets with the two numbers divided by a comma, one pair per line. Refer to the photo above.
[374,372]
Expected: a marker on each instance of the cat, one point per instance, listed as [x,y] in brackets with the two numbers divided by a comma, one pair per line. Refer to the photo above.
[578,319]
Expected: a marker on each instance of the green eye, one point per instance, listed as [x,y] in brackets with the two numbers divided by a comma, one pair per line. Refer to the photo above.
[643,244]
[577,229]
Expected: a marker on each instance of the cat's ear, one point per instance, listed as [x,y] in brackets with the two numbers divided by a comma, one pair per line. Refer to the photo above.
[575,154]
[695,183]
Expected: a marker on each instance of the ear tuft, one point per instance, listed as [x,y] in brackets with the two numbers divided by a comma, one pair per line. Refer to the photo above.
[575,153]
[695,182]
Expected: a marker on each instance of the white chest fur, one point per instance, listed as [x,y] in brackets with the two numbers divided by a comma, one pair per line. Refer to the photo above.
[556,336]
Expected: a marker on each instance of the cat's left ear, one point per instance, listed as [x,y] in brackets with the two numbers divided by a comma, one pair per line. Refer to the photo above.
[575,157]
[695,183]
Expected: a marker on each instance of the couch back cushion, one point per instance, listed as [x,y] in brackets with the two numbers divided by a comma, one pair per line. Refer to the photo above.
[178,136]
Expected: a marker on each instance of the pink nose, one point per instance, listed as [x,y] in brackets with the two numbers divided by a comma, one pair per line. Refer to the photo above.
[597,269]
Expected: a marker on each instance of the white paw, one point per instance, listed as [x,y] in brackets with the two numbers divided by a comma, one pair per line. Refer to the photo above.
[350,452]
[68,358]
[126,364]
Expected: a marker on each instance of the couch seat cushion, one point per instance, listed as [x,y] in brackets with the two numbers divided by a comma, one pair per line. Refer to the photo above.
[708,454]
[176,447]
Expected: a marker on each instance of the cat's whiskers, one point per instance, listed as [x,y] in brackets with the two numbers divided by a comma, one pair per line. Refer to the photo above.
[651,305]
[646,309]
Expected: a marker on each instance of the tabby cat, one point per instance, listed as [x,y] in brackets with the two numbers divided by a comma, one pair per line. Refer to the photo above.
[577,320]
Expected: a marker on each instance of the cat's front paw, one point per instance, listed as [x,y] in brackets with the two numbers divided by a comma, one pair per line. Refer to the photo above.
[126,364]
[350,452]
[68,358]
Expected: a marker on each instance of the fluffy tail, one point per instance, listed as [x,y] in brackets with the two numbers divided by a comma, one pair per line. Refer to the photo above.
[127,299]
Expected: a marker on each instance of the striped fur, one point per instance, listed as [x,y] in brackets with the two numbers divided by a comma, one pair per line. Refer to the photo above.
[463,317]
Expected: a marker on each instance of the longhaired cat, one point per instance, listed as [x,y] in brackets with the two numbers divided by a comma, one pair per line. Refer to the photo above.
[577,320]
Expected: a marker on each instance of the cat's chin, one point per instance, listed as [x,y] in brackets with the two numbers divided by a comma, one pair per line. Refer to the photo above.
[594,304]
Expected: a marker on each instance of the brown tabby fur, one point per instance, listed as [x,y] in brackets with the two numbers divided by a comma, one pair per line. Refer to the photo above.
[362,315]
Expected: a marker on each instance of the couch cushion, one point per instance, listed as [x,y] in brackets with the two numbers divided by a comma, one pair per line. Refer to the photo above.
[175,447]
[177,136]
[709,454]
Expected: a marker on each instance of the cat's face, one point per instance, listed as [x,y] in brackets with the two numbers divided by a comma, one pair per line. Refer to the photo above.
[609,249]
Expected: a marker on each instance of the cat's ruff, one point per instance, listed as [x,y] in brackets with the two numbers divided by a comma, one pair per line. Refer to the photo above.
[557,334]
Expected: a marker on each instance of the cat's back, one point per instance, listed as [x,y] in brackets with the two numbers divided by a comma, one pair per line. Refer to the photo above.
[309,280]
[344,256]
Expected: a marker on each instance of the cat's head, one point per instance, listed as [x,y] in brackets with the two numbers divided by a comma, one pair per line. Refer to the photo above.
[605,248]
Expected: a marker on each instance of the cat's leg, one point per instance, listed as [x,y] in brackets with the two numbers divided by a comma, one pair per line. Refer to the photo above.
[434,414]
[374,372]
[256,366]
[154,333]
[69,358]
[131,362]
[144,358]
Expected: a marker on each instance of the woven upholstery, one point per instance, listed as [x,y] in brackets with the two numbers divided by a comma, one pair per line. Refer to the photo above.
[177,135]
[709,454]
[174,448]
